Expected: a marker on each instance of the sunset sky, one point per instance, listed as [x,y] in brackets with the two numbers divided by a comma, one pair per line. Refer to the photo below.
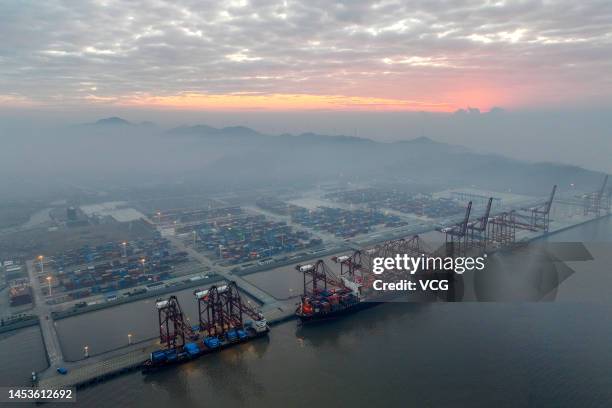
[306,55]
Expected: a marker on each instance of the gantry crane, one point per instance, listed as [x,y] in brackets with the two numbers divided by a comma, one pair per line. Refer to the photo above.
[477,231]
[173,330]
[221,309]
[456,235]
[594,202]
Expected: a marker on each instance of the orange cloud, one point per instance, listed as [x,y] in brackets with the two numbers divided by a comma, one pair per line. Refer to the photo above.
[281,102]
[16,101]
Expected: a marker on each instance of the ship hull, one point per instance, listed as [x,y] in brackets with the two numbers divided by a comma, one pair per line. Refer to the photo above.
[150,367]
[335,314]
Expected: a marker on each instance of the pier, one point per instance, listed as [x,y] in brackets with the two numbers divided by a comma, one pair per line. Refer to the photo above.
[47,327]
[102,367]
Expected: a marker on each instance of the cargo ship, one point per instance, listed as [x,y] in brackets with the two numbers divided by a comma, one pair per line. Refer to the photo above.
[321,308]
[221,326]
[168,357]
[337,298]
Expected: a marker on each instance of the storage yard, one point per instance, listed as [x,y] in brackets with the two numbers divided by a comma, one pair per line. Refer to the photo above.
[340,222]
[250,237]
[183,218]
[405,202]
[345,223]
[105,269]
[276,206]
[29,243]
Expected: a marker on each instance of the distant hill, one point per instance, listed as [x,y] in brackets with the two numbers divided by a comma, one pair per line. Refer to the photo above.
[420,140]
[114,121]
[207,131]
[240,156]
[314,137]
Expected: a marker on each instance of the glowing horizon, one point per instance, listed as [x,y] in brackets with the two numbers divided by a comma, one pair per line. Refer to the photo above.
[281,102]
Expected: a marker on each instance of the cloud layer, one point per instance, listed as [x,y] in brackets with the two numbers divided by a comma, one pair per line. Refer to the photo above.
[354,54]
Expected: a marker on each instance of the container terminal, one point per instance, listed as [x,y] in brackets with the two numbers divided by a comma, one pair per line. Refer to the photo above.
[402,201]
[484,225]
[110,267]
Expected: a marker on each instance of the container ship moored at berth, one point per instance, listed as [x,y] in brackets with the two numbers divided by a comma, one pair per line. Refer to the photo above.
[221,326]
[336,297]
[208,345]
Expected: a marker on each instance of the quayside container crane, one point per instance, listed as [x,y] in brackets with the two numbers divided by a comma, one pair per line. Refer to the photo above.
[456,235]
[221,311]
[173,329]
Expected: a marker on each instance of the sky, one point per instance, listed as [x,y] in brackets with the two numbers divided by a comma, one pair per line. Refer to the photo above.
[314,55]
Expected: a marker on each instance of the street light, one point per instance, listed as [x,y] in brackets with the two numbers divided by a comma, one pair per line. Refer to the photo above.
[144,270]
[129,338]
[86,351]
[42,265]
[49,281]
[124,244]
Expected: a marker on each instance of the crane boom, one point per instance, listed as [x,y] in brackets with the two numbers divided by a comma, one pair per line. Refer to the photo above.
[552,197]
[466,219]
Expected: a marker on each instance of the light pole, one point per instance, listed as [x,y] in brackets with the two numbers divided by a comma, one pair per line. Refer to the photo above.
[124,244]
[129,339]
[86,351]
[159,217]
[144,270]
[49,281]
[42,265]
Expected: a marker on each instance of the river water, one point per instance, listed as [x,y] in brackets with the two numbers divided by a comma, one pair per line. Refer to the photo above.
[510,354]
[21,352]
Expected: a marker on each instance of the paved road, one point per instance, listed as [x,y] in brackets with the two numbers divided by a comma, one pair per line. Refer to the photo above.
[47,325]
[223,271]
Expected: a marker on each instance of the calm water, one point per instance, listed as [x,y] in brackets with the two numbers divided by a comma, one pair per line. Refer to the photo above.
[468,354]
[553,354]
[21,352]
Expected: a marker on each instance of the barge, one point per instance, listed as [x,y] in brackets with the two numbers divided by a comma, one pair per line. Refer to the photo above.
[160,359]
[221,325]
